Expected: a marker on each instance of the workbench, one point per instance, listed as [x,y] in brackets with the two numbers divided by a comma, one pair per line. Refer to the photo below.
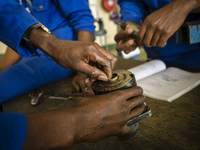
[173,126]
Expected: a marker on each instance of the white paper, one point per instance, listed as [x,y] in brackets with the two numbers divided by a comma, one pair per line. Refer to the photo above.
[169,84]
[148,69]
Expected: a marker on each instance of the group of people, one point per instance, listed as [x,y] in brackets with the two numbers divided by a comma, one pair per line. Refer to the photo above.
[35,57]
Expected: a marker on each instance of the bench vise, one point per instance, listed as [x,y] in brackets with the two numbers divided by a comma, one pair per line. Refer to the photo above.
[188,32]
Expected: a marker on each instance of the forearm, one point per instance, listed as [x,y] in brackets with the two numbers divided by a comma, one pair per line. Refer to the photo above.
[50,130]
[188,6]
[10,58]
[133,10]
[85,36]
[44,41]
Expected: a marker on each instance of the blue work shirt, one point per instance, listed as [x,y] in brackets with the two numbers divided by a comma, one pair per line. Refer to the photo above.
[182,55]
[16,19]
[63,18]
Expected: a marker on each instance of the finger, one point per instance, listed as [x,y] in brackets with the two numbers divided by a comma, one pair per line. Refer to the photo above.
[123,34]
[132,48]
[85,84]
[82,85]
[155,38]
[94,72]
[130,92]
[126,45]
[141,34]
[109,55]
[95,55]
[75,85]
[148,36]
[89,90]
[136,111]
[105,59]
[136,101]
[162,40]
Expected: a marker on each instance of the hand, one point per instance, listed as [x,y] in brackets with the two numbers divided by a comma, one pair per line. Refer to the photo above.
[81,82]
[163,23]
[106,115]
[76,55]
[91,119]
[125,42]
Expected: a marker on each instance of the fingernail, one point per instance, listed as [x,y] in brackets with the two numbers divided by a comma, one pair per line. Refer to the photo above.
[130,42]
[130,31]
[87,80]
[86,89]
[103,78]
[145,103]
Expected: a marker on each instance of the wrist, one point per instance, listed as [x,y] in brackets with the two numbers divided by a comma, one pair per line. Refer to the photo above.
[42,40]
[187,6]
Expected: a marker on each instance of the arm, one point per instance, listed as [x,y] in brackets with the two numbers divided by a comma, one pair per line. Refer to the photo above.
[75,55]
[91,119]
[15,20]
[163,23]
[133,10]
[81,81]
[53,46]
[78,14]
[9,58]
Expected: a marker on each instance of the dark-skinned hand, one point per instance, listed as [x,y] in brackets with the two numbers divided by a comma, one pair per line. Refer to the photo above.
[81,82]
[93,118]
[76,55]
[125,42]
[102,113]
[159,26]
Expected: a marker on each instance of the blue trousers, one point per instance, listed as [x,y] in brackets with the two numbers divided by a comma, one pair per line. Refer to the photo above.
[28,74]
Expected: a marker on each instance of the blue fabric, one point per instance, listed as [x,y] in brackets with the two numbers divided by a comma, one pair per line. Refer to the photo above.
[182,55]
[29,74]
[13,129]
[64,18]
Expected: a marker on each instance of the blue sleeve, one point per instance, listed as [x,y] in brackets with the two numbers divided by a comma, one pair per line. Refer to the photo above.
[13,128]
[78,14]
[132,10]
[14,22]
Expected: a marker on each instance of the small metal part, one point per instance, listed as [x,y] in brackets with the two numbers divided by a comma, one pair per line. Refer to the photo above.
[121,79]
[35,99]
[60,98]
[131,25]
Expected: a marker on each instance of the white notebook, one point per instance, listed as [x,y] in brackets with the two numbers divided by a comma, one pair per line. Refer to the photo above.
[163,83]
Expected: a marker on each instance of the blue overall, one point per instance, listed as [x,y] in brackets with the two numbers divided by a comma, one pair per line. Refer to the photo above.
[182,55]
[64,18]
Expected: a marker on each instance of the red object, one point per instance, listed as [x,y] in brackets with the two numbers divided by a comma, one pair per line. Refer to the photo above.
[109,5]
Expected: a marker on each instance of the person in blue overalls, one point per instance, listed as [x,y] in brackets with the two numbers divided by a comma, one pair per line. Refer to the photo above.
[160,20]
[93,118]
[66,20]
